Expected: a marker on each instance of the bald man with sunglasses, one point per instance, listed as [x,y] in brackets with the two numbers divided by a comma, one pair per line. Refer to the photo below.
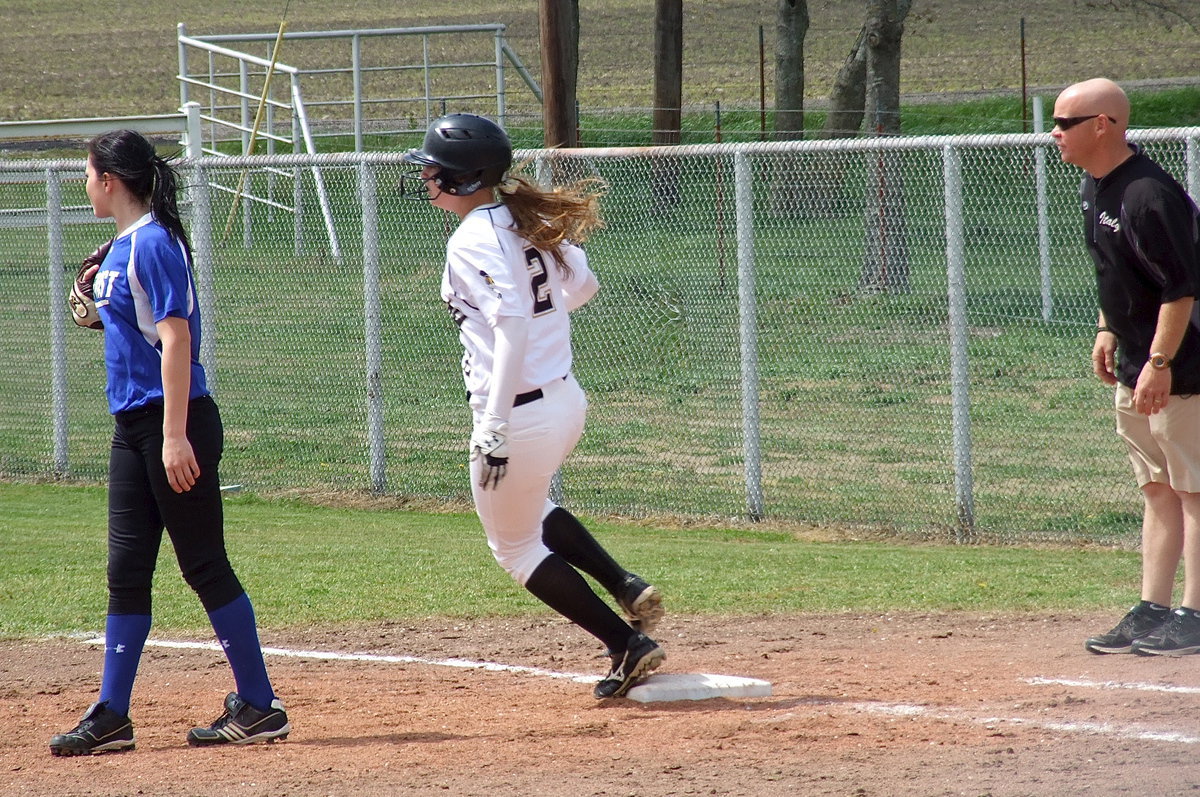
[1143,233]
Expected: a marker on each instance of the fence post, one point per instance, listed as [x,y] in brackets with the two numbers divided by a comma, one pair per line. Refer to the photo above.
[368,198]
[748,328]
[1043,213]
[58,330]
[428,84]
[202,266]
[542,171]
[297,190]
[501,99]
[212,98]
[1192,160]
[356,71]
[247,119]
[193,146]
[959,373]
[180,33]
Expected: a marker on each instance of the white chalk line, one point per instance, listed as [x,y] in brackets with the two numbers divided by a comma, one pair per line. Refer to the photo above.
[1134,732]
[466,664]
[1135,686]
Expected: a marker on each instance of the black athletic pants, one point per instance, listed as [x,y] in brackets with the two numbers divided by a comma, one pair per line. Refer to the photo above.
[141,503]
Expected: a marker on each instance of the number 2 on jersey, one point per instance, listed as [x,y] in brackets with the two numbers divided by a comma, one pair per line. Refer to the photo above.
[539,282]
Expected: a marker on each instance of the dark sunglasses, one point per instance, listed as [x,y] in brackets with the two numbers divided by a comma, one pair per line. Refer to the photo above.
[1067,122]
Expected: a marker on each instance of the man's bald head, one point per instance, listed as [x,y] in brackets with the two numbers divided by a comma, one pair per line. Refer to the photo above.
[1090,120]
[1096,96]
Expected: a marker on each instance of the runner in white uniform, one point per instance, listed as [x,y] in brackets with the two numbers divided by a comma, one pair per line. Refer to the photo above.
[511,279]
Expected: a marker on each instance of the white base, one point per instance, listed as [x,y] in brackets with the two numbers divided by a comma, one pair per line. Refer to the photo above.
[662,687]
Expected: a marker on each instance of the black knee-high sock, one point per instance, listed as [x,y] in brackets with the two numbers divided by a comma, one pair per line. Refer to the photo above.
[566,536]
[556,584]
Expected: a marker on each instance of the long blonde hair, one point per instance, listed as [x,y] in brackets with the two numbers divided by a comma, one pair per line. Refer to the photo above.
[548,218]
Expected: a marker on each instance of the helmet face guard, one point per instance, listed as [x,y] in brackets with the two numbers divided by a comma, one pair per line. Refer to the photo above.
[470,153]
[412,185]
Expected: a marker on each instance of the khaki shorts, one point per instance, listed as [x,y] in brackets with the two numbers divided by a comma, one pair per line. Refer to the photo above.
[1164,447]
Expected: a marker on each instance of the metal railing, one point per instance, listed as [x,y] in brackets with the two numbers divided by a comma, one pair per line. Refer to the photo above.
[348,104]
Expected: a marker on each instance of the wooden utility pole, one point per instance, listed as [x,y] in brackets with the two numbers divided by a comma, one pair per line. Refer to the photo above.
[668,70]
[559,25]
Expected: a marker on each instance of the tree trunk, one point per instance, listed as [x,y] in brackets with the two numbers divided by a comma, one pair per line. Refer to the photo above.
[884,28]
[791,26]
[847,99]
[790,185]
[885,257]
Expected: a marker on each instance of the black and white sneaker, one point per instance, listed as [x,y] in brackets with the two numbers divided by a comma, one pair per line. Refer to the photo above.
[637,660]
[242,723]
[100,731]
[1137,623]
[641,602]
[1180,636]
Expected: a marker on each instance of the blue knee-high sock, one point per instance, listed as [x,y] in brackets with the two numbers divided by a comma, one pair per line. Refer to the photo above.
[124,637]
[236,631]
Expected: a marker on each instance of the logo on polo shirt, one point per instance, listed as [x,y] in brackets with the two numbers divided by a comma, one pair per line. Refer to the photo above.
[1108,221]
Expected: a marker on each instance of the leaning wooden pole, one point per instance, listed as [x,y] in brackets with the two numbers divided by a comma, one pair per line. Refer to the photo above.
[258,115]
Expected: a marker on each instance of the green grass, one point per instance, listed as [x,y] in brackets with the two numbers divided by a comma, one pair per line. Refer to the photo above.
[1152,109]
[306,565]
[1164,108]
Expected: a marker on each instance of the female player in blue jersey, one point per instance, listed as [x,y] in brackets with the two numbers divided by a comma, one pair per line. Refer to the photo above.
[166,447]
[513,274]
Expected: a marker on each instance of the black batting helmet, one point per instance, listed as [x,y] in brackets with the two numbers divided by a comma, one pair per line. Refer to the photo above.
[471,152]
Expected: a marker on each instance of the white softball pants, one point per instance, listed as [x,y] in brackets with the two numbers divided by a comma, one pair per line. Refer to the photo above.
[541,434]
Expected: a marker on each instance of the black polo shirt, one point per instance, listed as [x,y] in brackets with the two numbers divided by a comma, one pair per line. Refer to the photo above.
[1143,232]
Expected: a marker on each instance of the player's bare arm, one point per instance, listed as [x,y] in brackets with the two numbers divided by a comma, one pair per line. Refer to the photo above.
[178,458]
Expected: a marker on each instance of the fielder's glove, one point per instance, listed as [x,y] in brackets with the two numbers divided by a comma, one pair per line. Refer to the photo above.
[490,441]
[81,300]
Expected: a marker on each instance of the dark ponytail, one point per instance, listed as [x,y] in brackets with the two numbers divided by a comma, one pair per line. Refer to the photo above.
[128,156]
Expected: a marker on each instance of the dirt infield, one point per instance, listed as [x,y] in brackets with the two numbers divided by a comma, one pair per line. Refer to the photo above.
[861,706]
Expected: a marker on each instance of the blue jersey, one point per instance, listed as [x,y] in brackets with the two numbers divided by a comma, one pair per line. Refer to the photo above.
[145,277]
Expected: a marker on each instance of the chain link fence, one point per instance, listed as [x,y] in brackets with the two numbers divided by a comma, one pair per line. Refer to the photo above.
[890,336]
